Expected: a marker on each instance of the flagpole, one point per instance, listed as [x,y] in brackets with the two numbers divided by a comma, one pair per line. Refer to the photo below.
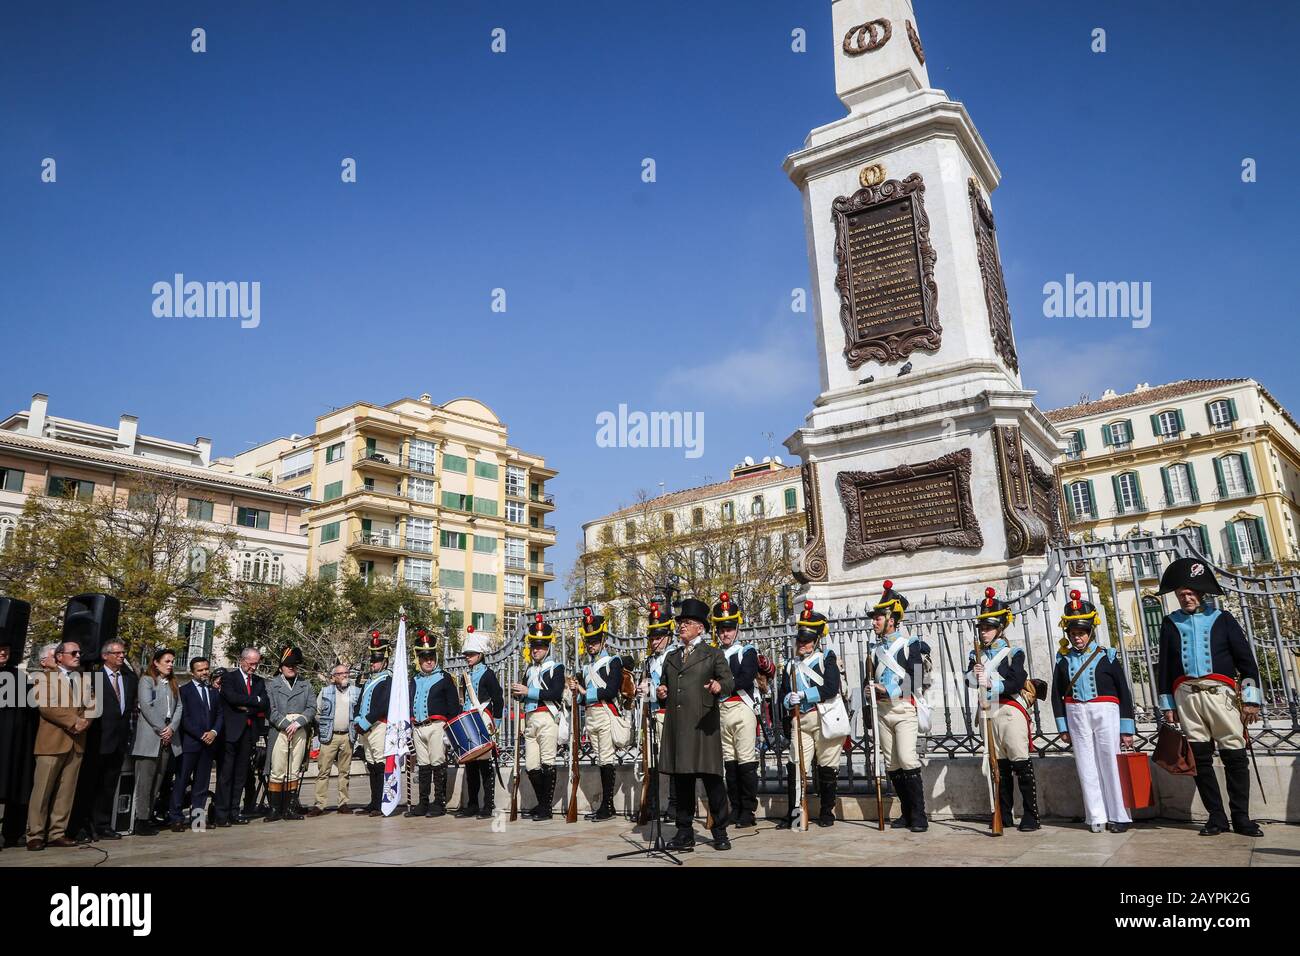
[397,733]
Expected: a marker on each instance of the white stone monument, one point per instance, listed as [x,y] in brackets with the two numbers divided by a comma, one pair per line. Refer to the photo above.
[925,459]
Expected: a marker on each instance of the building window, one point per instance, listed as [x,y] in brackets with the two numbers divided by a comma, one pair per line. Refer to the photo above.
[329,572]
[756,506]
[1118,434]
[1128,494]
[419,535]
[141,500]
[1222,413]
[453,540]
[1247,541]
[333,490]
[367,571]
[697,517]
[515,589]
[1167,424]
[77,488]
[197,637]
[7,526]
[299,463]
[1233,475]
[728,511]
[485,544]
[454,463]
[1180,486]
[420,489]
[1076,445]
[485,582]
[419,575]
[334,453]
[1152,617]
[629,531]
[1081,500]
[668,523]
[421,456]
[791,501]
[11,479]
[261,567]
[485,469]
[448,578]
[483,621]
[516,481]
[329,532]
[253,518]
[514,553]
[485,506]
[198,510]
[516,511]
[451,499]
[512,620]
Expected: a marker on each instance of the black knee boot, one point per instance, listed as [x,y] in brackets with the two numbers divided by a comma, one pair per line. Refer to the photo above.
[489,789]
[904,820]
[535,778]
[425,780]
[683,840]
[1006,793]
[470,808]
[916,794]
[274,791]
[1236,768]
[827,784]
[376,807]
[791,799]
[606,808]
[732,780]
[747,775]
[1028,795]
[545,795]
[1207,785]
[438,806]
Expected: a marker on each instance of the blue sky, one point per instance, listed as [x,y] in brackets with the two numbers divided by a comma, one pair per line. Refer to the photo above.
[522,171]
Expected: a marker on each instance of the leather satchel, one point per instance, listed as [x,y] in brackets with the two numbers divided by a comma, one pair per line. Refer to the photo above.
[1173,752]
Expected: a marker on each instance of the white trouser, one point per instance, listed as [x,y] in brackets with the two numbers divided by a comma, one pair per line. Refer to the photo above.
[1094,735]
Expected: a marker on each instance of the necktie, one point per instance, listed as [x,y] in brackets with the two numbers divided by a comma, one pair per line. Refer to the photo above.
[686,653]
[117,691]
[248,685]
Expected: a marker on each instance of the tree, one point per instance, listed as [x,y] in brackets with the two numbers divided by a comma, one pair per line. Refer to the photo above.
[139,546]
[329,621]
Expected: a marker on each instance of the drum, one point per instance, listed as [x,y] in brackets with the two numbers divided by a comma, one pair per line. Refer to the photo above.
[469,736]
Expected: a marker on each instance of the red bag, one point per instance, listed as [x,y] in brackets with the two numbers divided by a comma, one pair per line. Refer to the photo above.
[1135,779]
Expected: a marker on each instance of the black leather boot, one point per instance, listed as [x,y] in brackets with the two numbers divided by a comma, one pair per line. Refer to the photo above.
[470,809]
[732,779]
[904,820]
[916,793]
[1236,768]
[376,807]
[291,811]
[747,774]
[1006,793]
[438,806]
[683,841]
[827,783]
[606,808]
[275,801]
[535,778]
[546,796]
[791,799]
[1207,785]
[1028,795]
[489,789]
[425,779]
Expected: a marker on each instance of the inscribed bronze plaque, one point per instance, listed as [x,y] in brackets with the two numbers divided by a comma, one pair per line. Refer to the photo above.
[885,272]
[909,507]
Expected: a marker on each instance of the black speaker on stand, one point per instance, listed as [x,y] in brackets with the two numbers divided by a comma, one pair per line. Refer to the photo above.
[91,621]
[14,618]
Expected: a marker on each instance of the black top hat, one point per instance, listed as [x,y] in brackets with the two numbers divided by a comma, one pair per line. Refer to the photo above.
[693,609]
[812,624]
[1079,613]
[991,609]
[891,602]
[1189,573]
[290,657]
[726,613]
[424,644]
[659,622]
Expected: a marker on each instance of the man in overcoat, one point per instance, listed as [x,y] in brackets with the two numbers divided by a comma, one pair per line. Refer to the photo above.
[696,679]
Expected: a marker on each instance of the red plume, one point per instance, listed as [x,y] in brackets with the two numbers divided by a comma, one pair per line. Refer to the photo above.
[470,629]
[889,585]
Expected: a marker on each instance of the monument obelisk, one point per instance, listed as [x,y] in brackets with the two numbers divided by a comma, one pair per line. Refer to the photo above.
[925,459]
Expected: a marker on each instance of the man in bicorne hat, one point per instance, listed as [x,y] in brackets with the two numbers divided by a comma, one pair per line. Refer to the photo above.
[602,680]
[897,665]
[1093,705]
[1208,682]
[812,678]
[482,692]
[372,720]
[999,673]
[433,703]
[542,696]
[292,710]
[739,713]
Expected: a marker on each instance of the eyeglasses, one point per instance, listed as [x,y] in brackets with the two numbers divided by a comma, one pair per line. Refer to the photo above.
[73,653]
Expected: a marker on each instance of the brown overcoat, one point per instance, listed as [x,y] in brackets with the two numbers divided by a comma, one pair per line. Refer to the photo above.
[692,730]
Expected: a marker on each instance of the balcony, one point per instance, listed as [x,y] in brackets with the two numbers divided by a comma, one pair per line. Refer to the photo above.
[383,502]
[1170,437]
[515,563]
[542,604]
[381,423]
[1185,501]
[541,569]
[1230,494]
[543,500]
[376,542]
[514,600]
[514,490]
[1136,509]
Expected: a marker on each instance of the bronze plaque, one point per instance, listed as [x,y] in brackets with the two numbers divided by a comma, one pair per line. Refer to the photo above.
[885,272]
[909,507]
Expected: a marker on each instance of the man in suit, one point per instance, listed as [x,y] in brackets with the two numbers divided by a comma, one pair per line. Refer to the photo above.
[66,706]
[106,746]
[696,679]
[246,704]
[202,719]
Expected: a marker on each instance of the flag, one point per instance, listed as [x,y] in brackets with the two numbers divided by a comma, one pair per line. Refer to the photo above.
[397,733]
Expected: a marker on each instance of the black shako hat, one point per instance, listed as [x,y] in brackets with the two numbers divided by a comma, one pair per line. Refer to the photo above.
[1189,573]
[424,644]
[726,613]
[812,624]
[991,609]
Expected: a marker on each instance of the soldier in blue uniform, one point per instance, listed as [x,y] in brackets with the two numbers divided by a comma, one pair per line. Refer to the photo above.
[482,693]
[812,678]
[659,633]
[1208,681]
[433,703]
[738,713]
[602,680]
[543,699]
[897,666]
[999,672]
[372,720]
[1094,710]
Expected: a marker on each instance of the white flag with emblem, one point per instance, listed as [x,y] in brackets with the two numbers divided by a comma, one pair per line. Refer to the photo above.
[397,733]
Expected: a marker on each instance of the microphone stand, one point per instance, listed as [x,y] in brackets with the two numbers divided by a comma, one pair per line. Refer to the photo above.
[657,846]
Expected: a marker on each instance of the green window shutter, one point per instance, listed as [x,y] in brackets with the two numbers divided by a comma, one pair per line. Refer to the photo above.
[1263,538]
[1233,550]
[208,627]
[1178,413]
[452,579]
[1119,500]
[1092,498]
[485,469]
[1105,435]
[790,499]
[485,506]
[484,544]
[1069,500]
[1140,503]
[1204,532]
[1218,477]
[264,520]
[1128,430]
[371,447]
[183,628]
[1164,480]
[333,490]
[1155,425]
[1232,409]
[329,532]
[1191,482]
[365,525]
[1083,439]
[454,463]
[1245,470]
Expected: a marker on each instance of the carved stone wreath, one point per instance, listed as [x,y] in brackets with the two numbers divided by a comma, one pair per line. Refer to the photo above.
[915,40]
[995,287]
[867,37]
[857,547]
[895,346]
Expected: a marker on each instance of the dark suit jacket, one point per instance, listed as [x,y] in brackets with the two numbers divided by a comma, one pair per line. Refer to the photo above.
[114,722]
[197,720]
[240,705]
[692,739]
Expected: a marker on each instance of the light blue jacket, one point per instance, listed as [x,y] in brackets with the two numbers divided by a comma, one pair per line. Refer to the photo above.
[325,712]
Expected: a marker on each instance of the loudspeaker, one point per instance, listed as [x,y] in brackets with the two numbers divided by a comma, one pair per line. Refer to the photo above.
[91,621]
[14,615]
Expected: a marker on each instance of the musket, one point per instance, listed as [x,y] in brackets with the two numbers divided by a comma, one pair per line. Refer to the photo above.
[575,744]
[995,775]
[1250,744]
[519,746]
[643,814]
[875,746]
[795,732]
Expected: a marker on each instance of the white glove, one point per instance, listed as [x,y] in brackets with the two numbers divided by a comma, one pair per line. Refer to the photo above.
[793,698]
